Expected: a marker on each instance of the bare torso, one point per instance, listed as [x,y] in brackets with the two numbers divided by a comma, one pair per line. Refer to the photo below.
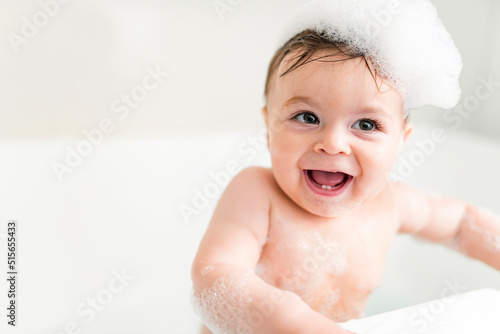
[333,267]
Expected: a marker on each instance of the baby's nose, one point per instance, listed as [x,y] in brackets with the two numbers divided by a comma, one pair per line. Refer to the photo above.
[332,141]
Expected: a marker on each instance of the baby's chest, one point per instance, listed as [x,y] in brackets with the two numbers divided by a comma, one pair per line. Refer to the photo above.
[302,259]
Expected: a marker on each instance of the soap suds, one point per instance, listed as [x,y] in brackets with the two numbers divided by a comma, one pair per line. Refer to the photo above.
[223,307]
[470,225]
[330,298]
[207,269]
[318,260]
[405,40]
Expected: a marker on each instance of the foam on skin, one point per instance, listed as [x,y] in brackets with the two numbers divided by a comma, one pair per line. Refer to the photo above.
[317,259]
[224,307]
[404,39]
[358,311]
[328,254]
[330,298]
[336,207]
[207,269]
[470,225]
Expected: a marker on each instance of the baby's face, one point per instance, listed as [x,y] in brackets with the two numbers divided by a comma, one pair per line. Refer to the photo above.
[333,134]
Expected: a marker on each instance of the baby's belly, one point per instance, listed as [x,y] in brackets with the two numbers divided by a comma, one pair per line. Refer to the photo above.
[329,277]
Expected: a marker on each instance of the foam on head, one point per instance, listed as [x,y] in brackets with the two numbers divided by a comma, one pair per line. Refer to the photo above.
[405,40]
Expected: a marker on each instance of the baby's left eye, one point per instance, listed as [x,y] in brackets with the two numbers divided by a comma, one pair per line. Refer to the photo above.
[307,118]
[366,125]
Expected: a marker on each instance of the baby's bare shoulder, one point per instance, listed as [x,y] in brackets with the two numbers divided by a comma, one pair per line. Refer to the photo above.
[256,173]
[411,206]
[394,199]
[404,195]
[254,180]
[239,224]
[246,199]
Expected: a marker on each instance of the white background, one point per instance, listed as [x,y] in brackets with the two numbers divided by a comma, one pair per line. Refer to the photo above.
[119,207]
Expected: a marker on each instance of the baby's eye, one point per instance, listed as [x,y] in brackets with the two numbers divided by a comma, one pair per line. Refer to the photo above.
[307,118]
[366,125]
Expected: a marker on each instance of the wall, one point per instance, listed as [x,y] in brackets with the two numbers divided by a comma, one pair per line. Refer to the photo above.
[72,71]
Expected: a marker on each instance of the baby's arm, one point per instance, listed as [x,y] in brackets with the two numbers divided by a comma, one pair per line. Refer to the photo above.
[472,230]
[229,297]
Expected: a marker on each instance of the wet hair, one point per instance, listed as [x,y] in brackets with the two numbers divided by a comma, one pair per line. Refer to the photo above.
[307,44]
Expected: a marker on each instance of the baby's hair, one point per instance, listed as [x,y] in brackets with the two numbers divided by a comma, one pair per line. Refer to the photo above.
[308,43]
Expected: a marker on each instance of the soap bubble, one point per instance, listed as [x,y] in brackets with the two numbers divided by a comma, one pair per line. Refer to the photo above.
[404,39]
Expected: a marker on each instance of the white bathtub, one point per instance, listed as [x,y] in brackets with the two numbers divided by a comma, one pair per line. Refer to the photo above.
[107,250]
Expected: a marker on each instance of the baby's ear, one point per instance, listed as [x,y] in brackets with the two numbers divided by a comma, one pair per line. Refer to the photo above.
[407,130]
[264,114]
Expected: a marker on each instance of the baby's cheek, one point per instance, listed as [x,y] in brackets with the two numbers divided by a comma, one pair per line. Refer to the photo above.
[381,160]
[378,166]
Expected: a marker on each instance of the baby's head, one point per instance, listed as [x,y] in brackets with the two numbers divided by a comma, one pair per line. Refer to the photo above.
[337,106]
[328,110]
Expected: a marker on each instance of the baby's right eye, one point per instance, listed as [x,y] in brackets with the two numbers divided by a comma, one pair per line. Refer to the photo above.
[307,118]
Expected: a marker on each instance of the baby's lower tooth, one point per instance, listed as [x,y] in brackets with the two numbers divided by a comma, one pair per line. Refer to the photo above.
[326,187]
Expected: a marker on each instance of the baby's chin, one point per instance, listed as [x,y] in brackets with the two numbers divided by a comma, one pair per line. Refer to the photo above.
[332,207]
[347,203]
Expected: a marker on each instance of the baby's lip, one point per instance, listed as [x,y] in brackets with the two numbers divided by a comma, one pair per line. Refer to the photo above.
[328,178]
[327,183]
[328,170]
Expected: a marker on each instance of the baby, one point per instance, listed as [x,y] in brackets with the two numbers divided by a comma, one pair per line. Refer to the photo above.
[301,246]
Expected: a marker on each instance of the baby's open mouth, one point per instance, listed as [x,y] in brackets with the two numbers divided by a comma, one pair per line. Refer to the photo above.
[327,180]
